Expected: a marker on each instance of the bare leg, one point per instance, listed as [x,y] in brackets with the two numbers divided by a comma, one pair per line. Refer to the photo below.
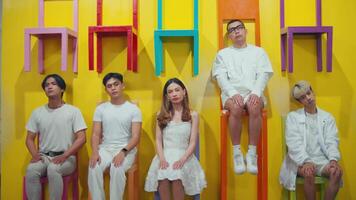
[164,189]
[334,174]
[255,119]
[235,121]
[178,190]
[309,186]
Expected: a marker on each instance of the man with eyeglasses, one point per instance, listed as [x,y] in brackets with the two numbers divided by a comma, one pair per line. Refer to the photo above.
[313,145]
[242,72]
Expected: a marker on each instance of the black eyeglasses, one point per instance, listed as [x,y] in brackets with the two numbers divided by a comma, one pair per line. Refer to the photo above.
[236,28]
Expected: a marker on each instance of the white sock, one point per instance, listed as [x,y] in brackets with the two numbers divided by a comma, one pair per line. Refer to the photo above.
[251,149]
[236,149]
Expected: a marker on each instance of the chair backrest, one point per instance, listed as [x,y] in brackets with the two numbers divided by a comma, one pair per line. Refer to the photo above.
[99,13]
[195,18]
[41,14]
[318,13]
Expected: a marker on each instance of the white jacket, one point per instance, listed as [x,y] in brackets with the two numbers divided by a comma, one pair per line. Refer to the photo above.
[296,143]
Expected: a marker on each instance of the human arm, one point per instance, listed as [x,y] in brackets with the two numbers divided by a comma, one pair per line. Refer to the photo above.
[95,141]
[192,142]
[331,139]
[31,146]
[159,148]
[264,73]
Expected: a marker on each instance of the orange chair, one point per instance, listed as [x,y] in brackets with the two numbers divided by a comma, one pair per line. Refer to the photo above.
[132,181]
[238,9]
[262,176]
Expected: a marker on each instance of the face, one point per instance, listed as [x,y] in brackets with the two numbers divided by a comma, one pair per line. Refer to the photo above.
[175,93]
[114,87]
[237,32]
[52,89]
[308,99]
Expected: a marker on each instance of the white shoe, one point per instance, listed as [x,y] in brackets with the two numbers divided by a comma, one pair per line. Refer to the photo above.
[239,163]
[251,161]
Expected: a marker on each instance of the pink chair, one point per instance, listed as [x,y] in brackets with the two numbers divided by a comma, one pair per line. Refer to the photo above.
[42,32]
[101,31]
[73,177]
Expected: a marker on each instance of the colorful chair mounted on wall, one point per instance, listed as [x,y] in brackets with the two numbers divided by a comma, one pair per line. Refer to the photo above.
[42,32]
[102,31]
[160,33]
[287,33]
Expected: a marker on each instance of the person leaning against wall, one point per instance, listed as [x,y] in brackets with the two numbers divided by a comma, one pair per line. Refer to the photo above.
[313,145]
[61,131]
[116,133]
[242,72]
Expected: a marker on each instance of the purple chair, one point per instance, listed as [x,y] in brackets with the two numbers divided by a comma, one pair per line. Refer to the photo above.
[289,32]
[42,32]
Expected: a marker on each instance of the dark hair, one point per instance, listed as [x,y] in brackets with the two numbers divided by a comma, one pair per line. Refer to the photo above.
[232,21]
[167,112]
[59,80]
[114,75]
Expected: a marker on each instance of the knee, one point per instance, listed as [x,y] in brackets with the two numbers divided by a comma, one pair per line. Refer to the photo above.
[254,111]
[52,170]
[32,174]
[335,175]
[236,111]
[117,171]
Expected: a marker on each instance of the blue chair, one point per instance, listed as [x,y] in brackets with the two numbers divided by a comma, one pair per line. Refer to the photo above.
[159,33]
[197,154]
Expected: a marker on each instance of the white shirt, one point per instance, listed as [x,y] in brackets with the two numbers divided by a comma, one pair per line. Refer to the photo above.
[242,71]
[117,122]
[56,127]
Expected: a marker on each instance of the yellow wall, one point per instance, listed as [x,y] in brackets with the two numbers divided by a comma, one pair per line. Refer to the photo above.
[21,91]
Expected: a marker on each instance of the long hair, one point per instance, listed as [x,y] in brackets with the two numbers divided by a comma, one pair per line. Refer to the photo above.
[167,112]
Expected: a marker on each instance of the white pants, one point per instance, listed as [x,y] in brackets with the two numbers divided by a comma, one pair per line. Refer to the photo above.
[117,174]
[54,174]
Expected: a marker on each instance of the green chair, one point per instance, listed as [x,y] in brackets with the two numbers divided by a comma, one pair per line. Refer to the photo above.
[321,181]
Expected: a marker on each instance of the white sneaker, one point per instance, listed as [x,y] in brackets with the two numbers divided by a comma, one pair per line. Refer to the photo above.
[251,161]
[239,163]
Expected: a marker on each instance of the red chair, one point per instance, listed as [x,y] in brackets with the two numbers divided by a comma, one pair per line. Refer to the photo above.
[262,152]
[102,31]
[73,177]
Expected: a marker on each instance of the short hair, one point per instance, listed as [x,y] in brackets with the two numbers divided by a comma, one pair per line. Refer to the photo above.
[59,80]
[232,21]
[114,75]
[300,88]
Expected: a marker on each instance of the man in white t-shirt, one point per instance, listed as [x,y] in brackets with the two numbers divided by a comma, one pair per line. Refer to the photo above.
[242,72]
[61,131]
[313,145]
[116,133]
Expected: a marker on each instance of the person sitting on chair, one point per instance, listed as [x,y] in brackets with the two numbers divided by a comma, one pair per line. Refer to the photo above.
[312,141]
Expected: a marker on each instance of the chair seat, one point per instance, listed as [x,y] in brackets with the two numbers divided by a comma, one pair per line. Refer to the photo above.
[112,29]
[48,31]
[317,180]
[306,29]
[177,33]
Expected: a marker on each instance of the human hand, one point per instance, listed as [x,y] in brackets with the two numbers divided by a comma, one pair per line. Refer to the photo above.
[179,164]
[237,98]
[95,158]
[36,158]
[308,169]
[118,159]
[59,159]
[163,164]
[253,100]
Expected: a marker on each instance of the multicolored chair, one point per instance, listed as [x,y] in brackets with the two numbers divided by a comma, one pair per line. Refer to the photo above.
[287,33]
[42,32]
[102,31]
[160,33]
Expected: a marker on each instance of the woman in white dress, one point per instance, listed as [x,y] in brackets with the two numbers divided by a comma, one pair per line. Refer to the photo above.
[175,166]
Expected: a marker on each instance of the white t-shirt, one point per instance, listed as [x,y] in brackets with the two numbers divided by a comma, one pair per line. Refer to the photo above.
[116,121]
[56,127]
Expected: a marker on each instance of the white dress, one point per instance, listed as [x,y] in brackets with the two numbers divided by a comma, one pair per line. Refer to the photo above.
[175,142]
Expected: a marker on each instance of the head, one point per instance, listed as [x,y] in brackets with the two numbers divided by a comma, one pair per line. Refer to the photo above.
[53,85]
[114,84]
[236,31]
[174,92]
[303,93]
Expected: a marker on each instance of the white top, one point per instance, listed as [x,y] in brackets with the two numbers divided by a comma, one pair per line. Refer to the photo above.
[296,139]
[117,122]
[242,71]
[56,126]
[313,148]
